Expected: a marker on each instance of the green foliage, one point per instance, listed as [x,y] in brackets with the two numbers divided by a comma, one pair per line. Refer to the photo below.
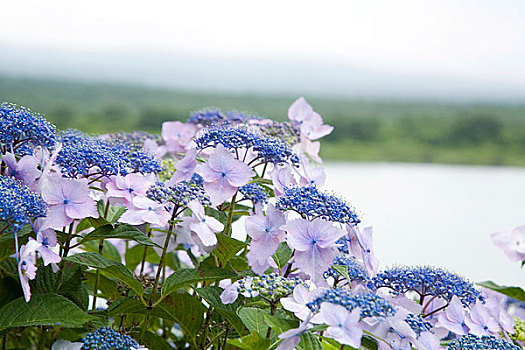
[122,231]
[204,272]
[227,247]
[513,292]
[42,310]
[108,267]
[282,255]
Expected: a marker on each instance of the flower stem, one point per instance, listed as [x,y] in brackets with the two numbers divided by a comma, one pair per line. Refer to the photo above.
[97,279]
[227,229]
[157,276]
[145,253]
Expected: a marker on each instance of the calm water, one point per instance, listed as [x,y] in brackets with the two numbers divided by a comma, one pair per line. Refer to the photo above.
[440,215]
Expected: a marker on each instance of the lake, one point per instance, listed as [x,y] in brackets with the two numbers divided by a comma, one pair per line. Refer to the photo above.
[439,215]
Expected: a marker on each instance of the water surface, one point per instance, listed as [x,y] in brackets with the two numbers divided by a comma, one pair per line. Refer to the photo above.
[440,215]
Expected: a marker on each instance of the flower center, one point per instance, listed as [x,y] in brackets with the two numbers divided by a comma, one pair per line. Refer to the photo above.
[66,201]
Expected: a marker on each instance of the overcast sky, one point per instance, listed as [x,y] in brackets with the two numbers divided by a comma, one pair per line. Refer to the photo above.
[478,39]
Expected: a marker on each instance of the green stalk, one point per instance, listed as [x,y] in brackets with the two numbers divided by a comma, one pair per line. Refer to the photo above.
[100,248]
[144,327]
[145,253]
[227,229]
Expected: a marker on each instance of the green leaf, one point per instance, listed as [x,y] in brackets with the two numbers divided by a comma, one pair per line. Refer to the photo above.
[106,286]
[72,286]
[108,251]
[108,267]
[342,270]
[9,266]
[212,295]
[251,342]
[227,247]
[153,341]
[123,231]
[283,255]
[7,241]
[187,311]
[204,272]
[42,310]
[513,292]
[133,256]
[369,343]
[280,325]
[253,319]
[9,290]
[217,214]
[132,306]
[309,342]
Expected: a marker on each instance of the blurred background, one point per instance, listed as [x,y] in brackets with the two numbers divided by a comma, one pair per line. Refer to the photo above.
[402,81]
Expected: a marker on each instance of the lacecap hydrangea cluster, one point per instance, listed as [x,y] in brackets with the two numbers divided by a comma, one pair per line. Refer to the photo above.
[214,116]
[426,281]
[472,342]
[22,129]
[371,304]
[268,150]
[313,203]
[356,272]
[271,287]
[18,204]
[418,324]
[181,193]
[254,192]
[107,339]
[83,155]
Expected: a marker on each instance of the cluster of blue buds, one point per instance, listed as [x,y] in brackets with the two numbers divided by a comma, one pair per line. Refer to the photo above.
[134,139]
[180,194]
[472,342]
[426,280]
[254,192]
[268,150]
[285,131]
[418,324]
[85,155]
[19,204]
[214,116]
[21,130]
[271,287]
[312,203]
[371,304]
[356,272]
[105,338]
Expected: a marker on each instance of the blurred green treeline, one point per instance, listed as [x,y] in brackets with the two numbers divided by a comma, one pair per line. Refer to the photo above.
[365,130]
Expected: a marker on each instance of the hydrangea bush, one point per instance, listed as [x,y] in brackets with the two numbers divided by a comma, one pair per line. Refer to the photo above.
[216,235]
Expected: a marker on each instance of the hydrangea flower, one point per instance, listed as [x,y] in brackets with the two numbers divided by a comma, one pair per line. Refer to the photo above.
[26,267]
[22,129]
[145,210]
[19,204]
[512,243]
[266,233]
[426,281]
[342,323]
[185,168]
[129,186]
[204,226]
[361,245]
[223,175]
[68,200]
[312,203]
[207,116]
[453,317]
[177,137]
[25,169]
[314,244]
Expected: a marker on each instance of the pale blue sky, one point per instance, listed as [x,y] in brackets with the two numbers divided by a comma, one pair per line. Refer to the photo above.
[471,39]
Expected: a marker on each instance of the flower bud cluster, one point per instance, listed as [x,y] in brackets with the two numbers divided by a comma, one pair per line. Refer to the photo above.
[105,338]
[272,286]
[371,304]
[312,203]
[472,342]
